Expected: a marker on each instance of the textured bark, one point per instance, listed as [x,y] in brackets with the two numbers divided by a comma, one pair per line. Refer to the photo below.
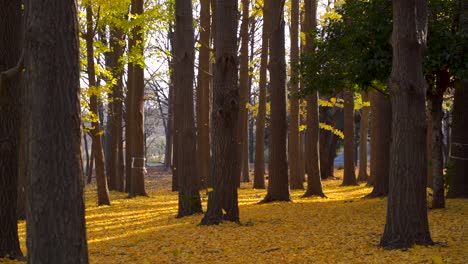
[56,230]
[242,140]
[184,118]
[115,167]
[314,184]
[96,131]
[259,165]
[137,113]
[10,50]
[278,180]
[223,199]
[382,136]
[362,175]
[349,177]
[407,222]
[203,95]
[458,175]
[295,177]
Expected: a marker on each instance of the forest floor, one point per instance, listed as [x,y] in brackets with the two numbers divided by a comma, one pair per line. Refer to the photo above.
[344,228]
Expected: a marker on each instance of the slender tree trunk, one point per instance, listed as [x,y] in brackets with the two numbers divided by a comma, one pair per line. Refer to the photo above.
[222,198]
[407,222]
[56,231]
[10,92]
[296,179]
[259,165]
[184,118]
[349,177]
[314,184]
[437,159]
[362,175]
[86,149]
[101,179]
[91,166]
[203,95]
[137,132]
[382,137]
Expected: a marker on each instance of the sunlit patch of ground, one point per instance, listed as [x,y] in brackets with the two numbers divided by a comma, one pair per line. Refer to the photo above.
[342,228]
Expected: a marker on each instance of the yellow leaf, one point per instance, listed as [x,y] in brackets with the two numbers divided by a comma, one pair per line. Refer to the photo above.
[437,260]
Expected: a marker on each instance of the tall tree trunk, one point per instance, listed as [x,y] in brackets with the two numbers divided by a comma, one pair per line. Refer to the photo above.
[10,92]
[295,177]
[172,95]
[382,138]
[458,176]
[407,222]
[222,196]
[362,175]
[314,184]
[96,132]
[91,166]
[56,231]
[184,118]
[137,131]
[349,177]
[458,185]
[259,165]
[278,180]
[203,95]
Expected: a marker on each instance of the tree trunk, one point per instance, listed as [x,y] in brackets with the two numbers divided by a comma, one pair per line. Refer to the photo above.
[96,132]
[407,222]
[294,147]
[437,157]
[362,175]
[243,91]
[458,187]
[56,231]
[137,131]
[349,177]
[184,118]
[259,165]
[10,110]
[278,180]
[458,179]
[203,95]
[382,137]
[314,184]
[222,196]
[91,166]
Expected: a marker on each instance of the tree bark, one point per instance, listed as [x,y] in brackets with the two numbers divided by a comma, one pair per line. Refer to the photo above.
[278,180]
[407,222]
[382,136]
[137,113]
[349,177]
[96,131]
[184,119]
[314,184]
[10,51]
[259,165]
[56,231]
[243,92]
[222,196]
[362,175]
[203,95]
[295,177]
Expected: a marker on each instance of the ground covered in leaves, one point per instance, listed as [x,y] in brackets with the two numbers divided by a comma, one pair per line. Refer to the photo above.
[344,228]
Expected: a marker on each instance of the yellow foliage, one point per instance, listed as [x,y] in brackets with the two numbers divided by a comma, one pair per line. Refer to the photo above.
[340,229]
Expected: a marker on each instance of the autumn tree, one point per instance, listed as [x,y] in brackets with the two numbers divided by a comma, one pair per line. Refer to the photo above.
[349,177]
[312,159]
[259,164]
[363,134]
[278,181]
[10,90]
[55,209]
[96,131]
[407,222]
[294,146]
[184,119]
[222,198]
[203,94]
